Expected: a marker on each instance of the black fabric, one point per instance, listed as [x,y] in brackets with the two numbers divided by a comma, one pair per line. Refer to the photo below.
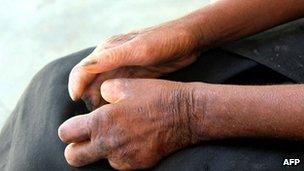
[29,139]
[280,48]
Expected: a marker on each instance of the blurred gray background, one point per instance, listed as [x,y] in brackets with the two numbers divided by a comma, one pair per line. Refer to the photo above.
[35,32]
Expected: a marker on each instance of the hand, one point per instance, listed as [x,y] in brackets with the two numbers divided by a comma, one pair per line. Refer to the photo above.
[91,95]
[147,53]
[145,120]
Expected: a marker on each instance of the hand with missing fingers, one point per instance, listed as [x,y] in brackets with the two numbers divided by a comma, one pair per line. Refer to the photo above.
[145,120]
[147,53]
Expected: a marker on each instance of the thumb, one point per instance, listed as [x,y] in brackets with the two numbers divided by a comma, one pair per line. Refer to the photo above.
[108,59]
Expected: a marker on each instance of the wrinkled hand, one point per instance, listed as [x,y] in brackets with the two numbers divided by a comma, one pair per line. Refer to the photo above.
[147,53]
[145,120]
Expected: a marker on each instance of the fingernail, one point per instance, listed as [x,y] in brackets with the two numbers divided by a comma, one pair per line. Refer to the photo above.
[61,132]
[88,62]
[73,97]
[71,93]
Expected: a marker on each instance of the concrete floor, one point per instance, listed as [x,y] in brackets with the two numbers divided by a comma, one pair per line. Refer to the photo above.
[35,32]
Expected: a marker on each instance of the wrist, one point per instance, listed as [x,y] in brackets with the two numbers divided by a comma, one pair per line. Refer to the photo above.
[200,27]
[211,116]
[201,96]
[190,26]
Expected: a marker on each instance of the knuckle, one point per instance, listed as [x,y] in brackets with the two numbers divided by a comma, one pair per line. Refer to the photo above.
[112,54]
[116,56]
[142,51]
[93,122]
[145,49]
[107,116]
[103,116]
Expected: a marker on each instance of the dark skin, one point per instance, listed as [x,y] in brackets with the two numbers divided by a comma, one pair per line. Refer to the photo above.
[121,129]
[146,119]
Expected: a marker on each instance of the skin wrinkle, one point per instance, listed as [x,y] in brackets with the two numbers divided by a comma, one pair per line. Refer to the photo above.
[123,38]
[190,106]
[182,101]
[201,101]
[219,112]
[179,106]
